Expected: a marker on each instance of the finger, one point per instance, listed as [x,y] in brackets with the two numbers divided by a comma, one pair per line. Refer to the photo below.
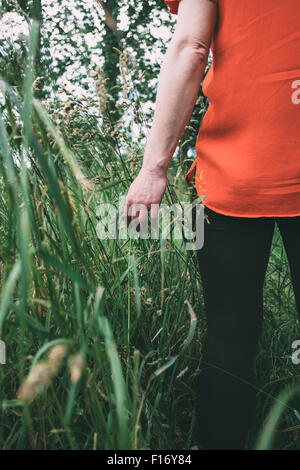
[133,211]
[143,219]
[154,219]
[125,214]
[154,211]
[134,214]
[143,213]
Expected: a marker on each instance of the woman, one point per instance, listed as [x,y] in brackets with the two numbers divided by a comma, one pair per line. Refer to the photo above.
[248,169]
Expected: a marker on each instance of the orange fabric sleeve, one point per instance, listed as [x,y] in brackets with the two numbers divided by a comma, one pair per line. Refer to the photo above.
[173,6]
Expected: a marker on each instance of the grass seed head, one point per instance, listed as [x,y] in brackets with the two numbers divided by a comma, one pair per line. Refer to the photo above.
[76,366]
[36,382]
[42,373]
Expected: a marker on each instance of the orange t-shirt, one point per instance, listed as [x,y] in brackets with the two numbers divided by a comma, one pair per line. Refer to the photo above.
[248,147]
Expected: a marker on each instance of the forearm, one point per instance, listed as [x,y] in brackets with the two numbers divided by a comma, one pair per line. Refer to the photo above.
[179,80]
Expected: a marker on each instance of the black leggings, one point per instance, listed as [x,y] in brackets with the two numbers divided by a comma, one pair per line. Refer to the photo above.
[233,263]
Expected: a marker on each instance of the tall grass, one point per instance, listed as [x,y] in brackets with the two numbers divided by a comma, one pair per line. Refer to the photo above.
[103,337]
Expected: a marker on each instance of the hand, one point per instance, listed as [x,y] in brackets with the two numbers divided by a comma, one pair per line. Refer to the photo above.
[147,189]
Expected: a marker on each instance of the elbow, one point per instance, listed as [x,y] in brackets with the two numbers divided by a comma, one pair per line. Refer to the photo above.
[195,52]
[200,54]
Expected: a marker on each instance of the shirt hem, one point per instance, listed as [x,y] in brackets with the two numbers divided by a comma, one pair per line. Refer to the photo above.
[232,214]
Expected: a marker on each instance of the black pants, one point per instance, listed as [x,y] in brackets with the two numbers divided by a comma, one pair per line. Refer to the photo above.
[232,265]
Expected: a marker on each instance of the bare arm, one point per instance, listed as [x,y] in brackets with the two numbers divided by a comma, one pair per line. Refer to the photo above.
[179,81]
